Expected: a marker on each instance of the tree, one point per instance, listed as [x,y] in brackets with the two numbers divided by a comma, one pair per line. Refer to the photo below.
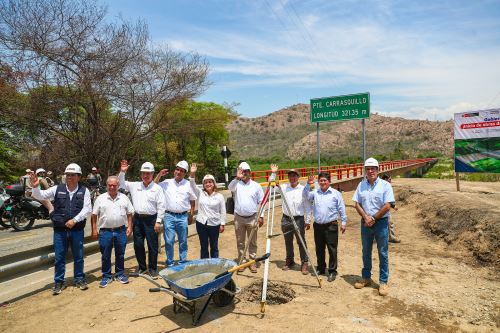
[196,132]
[92,86]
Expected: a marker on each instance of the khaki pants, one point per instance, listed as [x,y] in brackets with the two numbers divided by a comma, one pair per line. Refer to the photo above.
[243,227]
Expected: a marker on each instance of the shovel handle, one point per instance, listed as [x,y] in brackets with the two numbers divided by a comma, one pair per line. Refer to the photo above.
[235,268]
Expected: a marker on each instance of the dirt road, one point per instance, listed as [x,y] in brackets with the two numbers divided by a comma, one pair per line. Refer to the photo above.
[434,287]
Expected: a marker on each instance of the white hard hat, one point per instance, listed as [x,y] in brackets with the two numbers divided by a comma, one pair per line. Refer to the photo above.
[209,177]
[73,168]
[244,166]
[147,167]
[371,162]
[183,164]
[28,170]
[94,169]
[39,170]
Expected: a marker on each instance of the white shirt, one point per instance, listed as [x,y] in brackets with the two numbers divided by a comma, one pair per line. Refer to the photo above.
[299,205]
[211,208]
[112,213]
[247,196]
[146,200]
[177,195]
[50,193]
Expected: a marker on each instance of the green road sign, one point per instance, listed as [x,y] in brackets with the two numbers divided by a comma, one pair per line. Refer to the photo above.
[337,108]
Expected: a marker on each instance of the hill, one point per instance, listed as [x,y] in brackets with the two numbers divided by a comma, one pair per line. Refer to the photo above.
[289,133]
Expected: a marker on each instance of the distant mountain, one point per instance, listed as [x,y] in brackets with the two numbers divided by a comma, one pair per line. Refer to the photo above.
[289,133]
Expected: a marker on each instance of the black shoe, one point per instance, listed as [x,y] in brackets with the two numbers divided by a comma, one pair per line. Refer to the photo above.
[320,271]
[58,288]
[82,285]
[332,277]
[141,271]
[154,274]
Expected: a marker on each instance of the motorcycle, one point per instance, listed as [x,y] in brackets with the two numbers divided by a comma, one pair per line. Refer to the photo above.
[5,208]
[25,210]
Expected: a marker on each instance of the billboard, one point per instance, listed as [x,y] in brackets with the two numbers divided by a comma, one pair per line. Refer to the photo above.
[477,141]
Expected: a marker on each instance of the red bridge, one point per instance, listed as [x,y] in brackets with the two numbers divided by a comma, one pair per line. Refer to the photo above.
[347,176]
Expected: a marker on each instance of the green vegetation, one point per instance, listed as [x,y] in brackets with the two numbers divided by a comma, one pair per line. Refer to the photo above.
[445,169]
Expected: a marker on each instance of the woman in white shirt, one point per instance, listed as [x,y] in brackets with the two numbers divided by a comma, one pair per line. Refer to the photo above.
[211,216]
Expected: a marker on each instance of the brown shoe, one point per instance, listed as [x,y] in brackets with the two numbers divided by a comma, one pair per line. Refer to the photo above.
[305,268]
[288,264]
[363,283]
[253,268]
[383,289]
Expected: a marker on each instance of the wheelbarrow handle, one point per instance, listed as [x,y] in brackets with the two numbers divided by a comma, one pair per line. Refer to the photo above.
[235,268]
[154,290]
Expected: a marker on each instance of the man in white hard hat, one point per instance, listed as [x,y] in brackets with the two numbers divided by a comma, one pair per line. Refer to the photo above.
[179,210]
[373,199]
[247,195]
[71,208]
[95,174]
[149,207]
[44,185]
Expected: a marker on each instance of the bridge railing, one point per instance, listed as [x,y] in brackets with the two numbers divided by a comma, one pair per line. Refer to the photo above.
[339,171]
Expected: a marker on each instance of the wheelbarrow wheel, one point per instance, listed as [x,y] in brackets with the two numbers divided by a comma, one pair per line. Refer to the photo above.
[222,298]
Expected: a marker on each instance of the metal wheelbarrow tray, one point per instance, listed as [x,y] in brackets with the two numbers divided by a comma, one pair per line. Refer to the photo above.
[193,281]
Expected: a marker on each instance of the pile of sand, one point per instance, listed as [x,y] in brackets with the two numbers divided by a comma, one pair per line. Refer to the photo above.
[277,293]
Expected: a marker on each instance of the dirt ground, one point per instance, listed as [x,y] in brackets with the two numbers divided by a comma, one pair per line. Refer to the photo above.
[436,284]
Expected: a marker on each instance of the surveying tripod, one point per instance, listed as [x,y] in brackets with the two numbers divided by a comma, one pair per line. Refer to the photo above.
[268,202]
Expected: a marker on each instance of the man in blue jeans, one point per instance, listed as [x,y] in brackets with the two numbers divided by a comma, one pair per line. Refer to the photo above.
[71,208]
[112,224]
[373,199]
[179,210]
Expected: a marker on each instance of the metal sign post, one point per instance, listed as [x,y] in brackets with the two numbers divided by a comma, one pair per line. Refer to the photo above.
[339,108]
[225,152]
[364,139]
[317,148]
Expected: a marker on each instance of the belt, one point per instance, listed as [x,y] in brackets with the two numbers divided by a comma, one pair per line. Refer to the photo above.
[295,216]
[327,224]
[174,213]
[246,216]
[113,229]
[143,216]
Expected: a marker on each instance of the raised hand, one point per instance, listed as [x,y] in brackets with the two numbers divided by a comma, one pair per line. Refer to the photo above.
[34,181]
[194,168]
[274,168]
[163,172]
[310,179]
[124,166]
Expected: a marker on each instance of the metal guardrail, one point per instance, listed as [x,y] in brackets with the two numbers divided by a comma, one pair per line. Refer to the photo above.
[337,172]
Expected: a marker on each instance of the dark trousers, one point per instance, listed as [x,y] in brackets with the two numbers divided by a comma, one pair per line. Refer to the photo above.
[144,230]
[208,234]
[326,235]
[288,232]
[107,240]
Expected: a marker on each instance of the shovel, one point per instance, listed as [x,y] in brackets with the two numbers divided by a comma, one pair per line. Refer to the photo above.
[235,268]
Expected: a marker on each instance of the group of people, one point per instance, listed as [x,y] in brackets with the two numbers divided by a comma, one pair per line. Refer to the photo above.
[171,203]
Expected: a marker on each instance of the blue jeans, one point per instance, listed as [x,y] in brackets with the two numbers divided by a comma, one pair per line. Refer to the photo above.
[175,224]
[108,239]
[63,238]
[380,232]
[206,234]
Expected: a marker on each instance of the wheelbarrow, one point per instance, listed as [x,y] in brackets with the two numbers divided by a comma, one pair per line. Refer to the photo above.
[199,280]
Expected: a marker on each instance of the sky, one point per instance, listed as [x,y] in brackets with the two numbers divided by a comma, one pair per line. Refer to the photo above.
[417,59]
